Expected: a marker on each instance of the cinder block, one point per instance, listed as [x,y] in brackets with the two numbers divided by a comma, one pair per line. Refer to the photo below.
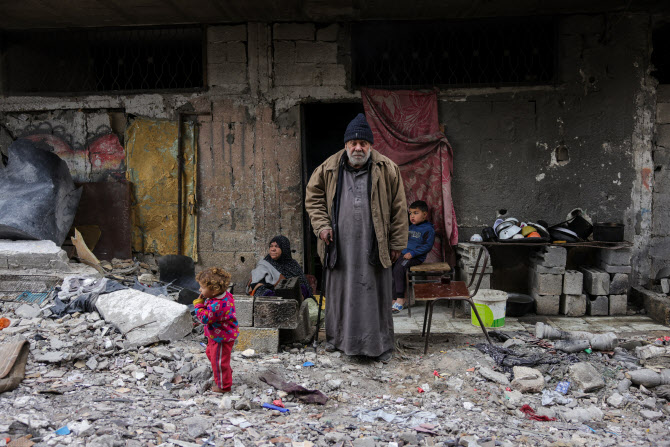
[226,74]
[226,33]
[621,256]
[619,284]
[221,53]
[657,305]
[597,305]
[303,332]
[470,267]
[550,256]
[263,340]
[573,305]
[293,31]
[275,312]
[465,276]
[573,282]
[663,136]
[618,304]
[244,310]
[319,52]
[295,74]
[468,249]
[545,283]
[284,52]
[615,268]
[663,113]
[542,269]
[596,281]
[331,74]
[546,304]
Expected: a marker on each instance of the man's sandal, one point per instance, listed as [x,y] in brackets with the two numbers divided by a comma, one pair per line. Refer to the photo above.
[396,308]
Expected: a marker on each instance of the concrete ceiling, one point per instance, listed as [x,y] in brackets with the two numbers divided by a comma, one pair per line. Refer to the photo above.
[30,14]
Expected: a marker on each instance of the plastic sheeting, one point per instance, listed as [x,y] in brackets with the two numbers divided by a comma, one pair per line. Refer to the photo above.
[38,199]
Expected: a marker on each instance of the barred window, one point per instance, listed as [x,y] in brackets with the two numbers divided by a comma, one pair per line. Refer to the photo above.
[103,60]
[495,52]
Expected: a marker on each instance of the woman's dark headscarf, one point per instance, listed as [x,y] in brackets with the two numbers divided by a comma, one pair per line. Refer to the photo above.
[285,264]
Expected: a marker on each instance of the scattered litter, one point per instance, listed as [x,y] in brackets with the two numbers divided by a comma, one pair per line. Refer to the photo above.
[307,364]
[563,387]
[411,419]
[425,428]
[278,403]
[420,390]
[274,407]
[305,395]
[530,414]
[64,430]
[554,397]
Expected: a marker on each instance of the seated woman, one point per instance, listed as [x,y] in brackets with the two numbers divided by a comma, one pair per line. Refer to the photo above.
[278,264]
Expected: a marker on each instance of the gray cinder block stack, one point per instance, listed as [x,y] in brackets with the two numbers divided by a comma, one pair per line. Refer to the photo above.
[467,253]
[573,300]
[547,267]
[617,264]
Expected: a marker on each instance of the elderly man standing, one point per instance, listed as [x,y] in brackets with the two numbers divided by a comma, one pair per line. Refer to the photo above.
[356,203]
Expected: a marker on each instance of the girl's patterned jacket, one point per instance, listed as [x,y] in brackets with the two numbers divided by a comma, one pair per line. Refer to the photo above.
[218,316]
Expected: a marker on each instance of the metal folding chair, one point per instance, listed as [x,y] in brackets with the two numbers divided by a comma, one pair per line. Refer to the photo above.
[432,288]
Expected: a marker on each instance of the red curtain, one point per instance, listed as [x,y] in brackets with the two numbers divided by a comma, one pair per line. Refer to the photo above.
[406,129]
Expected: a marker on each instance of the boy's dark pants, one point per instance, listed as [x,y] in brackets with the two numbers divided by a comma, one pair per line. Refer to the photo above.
[219,355]
[399,268]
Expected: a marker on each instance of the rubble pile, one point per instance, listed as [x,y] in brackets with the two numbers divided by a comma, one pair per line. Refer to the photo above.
[85,384]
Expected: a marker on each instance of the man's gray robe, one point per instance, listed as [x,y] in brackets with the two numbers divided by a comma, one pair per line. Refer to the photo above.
[359,320]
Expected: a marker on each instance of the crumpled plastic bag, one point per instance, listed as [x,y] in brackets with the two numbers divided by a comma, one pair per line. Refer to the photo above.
[410,419]
[550,397]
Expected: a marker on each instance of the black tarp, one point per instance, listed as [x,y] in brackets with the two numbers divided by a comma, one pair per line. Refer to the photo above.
[38,199]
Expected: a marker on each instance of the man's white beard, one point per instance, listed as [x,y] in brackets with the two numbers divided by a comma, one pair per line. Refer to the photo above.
[357,162]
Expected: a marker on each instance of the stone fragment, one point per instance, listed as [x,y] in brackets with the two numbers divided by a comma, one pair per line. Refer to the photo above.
[596,281]
[196,426]
[546,304]
[651,415]
[619,284]
[368,441]
[627,269]
[493,376]
[624,385]
[573,305]
[275,313]
[597,305]
[144,318]
[51,356]
[513,342]
[573,282]
[618,304]
[92,363]
[615,400]
[585,377]
[527,380]
[27,311]
[592,413]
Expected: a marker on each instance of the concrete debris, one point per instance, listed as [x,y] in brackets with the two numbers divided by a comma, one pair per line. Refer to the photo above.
[144,318]
[84,373]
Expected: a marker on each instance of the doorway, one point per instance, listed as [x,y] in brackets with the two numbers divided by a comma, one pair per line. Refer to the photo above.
[323,126]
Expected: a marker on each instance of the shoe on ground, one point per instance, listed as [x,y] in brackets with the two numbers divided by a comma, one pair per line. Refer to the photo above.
[385,357]
[216,389]
[396,308]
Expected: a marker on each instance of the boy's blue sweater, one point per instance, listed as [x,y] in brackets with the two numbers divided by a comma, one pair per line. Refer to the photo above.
[420,240]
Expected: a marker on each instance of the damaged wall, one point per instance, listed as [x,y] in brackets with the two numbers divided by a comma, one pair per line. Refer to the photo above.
[659,244]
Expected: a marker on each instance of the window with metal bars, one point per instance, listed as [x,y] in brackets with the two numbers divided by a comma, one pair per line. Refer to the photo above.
[495,52]
[103,60]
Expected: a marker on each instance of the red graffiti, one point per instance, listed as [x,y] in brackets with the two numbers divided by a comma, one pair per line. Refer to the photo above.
[106,153]
[646,175]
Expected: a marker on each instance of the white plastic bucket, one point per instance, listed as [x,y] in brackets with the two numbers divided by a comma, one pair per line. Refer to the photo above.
[491,305]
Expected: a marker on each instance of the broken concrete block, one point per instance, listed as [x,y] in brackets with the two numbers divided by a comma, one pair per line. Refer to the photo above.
[615,268]
[546,304]
[542,269]
[33,254]
[656,304]
[264,340]
[596,281]
[621,256]
[527,380]
[597,305]
[545,283]
[144,318]
[27,311]
[274,312]
[619,284]
[303,332]
[585,377]
[244,310]
[494,376]
[465,276]
[550,256]
[618,304]
[573,282]
[573,305]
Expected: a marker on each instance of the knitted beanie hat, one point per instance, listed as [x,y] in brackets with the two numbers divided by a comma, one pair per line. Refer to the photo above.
[359,129]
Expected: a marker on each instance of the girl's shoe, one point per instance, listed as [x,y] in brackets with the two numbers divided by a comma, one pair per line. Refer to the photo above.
[397,307]
[216,389]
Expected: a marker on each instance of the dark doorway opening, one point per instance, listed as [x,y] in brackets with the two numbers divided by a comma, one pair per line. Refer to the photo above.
[323,127]
[660,56]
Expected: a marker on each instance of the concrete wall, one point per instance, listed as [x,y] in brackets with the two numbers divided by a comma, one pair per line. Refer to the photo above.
[601,110]
[659,246]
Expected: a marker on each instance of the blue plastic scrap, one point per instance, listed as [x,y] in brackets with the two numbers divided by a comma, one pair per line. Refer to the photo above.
[64,430]
[562,387]
[307,364]
[274,407]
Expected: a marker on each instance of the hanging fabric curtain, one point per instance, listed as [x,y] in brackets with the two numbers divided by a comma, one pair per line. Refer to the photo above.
[406,129]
